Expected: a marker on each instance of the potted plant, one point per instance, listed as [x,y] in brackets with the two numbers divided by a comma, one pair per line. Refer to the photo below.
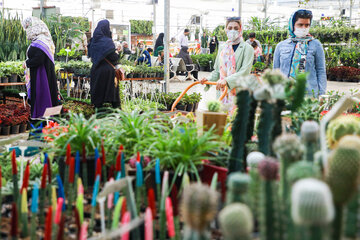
[189,103]
[181,106]
[6,125]
[196,99]
[212,117]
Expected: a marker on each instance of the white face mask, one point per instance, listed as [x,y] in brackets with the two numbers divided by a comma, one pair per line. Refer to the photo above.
[232,35]
[301,32]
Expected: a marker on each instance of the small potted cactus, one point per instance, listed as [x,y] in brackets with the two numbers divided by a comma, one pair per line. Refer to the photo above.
[237,186]
[213,116]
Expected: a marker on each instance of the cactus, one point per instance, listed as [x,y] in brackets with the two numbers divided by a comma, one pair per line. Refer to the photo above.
[312,208]
[342,177]
[288,149]
[310,138]
[278,108]
[253,160]
[236,222]
[251,124]
[265,128]
[214,106]
[342,126]
[239,130]
[268,170]
[300,170]
[237,186]
[199,205]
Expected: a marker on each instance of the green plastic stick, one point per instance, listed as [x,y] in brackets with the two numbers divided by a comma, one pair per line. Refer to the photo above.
[24,214]
[33,227]
[42,205]
[117,211]
[130,200]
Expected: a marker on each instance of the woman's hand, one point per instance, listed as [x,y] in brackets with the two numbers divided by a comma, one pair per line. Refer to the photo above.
[24,65]
[221,84]
[202,81]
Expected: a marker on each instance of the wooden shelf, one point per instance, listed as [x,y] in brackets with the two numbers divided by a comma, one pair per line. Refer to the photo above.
[141,79]
[12,84]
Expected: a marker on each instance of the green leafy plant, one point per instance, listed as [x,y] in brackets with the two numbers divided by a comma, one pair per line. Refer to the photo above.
[142,27]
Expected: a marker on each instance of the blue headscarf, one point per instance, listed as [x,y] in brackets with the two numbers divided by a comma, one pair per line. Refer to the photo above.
[292,21]
[101,44]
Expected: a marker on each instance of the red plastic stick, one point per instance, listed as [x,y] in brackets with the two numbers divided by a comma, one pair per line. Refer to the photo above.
[151,200]
[148,224]
[13,162]
[14,220]
[118,160]
[125,220]
[103,152]
[98,167]
[43,177]
[72,170]
[25,182]
[169,217]
[68,154]
[48,224]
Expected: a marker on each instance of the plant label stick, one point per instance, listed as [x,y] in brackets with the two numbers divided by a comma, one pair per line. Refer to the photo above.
[34,210]
[117,212]
[149,228]
[84,166]
[24,213]
[170,218]
[15,181]
[102,214]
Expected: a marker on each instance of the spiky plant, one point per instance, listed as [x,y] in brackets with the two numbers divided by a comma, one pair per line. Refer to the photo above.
[269,218]
[300,170]
[310,137]
[312,208]
[237,186]
[199,206]
[342,177]
[236,222]
[265,128]
[214,106]
[340,127]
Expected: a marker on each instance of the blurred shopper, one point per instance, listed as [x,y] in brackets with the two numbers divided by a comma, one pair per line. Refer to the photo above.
[204,43]
[159,43]
[214,44]
[233,60]
[150,51]
[257,52]
[143,56]
[252,38]
[160,61]
[126,49]
[184,40]
[184,54]
[103,85]
[302,53]
[42,88]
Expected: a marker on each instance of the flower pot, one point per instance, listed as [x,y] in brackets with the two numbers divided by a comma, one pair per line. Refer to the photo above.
[202,68]
[205,120]
[145,75]
[136,75]
[5,130]
[15,129]
[4,80]
[190,107]
[130,75]
[22,127]
[196,105]
[181,107]
[13,78]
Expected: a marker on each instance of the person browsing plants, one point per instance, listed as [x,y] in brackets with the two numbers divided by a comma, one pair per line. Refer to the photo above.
[302,53]
[234,59]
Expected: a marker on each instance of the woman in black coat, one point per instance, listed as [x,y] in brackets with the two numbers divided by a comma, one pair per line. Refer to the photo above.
[214,44]
[103,86]
[184,54]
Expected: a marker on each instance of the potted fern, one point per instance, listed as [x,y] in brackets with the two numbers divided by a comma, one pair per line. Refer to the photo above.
[213,116]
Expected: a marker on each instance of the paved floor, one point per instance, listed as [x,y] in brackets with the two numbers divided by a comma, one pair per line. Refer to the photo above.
[211,94]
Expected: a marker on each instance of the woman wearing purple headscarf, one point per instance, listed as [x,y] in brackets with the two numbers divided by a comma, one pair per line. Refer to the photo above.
[42,88]
[101,50]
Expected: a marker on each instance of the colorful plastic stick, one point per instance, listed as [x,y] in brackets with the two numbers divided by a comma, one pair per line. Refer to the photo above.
[25,182]
[80,202]
[162,206]
[57,217]
[60,235]
[98,168]
[139,185]
[170,218]
[24,214]
[77,169]
[77,222]
[117,194]
[102,214]
[118,160]
[47,160]
[84,166]
[34,210]
[83,233]
[123,172]
[158,180]
[14,178]
[117,212]
[48,225]
[110,204]
[214,181]
[103,156]
[149,228]
[61,192]
[71,184]
[125,220]
[0,191]
[151,201]
[53,198]
[43,193]
[67,163]
[93,203]
[14,221]
[130,201]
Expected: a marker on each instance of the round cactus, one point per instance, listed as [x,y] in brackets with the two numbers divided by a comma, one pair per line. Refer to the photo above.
[268,169]
[340,127]
[214,106]
[312,203]
[199,206]
[254,158]
[274,77]
[343,173]
[236,222]
[350,141]
[302,170]
[288,147]
[310,131]
[237,186]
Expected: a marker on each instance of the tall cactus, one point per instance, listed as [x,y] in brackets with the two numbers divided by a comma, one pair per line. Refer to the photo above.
[278,108]
[269,229]
[239,131]
[199,207]
[342,177]
[237,186]
[312,208]
[265,127]
[310,138]
[300,170]
[236,222]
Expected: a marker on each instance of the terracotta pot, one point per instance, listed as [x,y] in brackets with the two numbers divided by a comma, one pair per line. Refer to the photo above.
[5,130]
[15,129]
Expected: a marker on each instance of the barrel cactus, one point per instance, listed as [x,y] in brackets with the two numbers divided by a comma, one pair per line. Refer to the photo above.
[214,106]
[199,207]
[254,158]
[340,127]
[236,222]
[342,177]
[310,137]
[312,208]
[237,186]
[300,170]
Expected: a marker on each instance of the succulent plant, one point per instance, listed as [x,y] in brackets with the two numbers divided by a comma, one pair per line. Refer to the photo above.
[254,158]
[342,177]
[214,106]
[300,170]
[312,208]
[269,204]
[350,141]
[237,186]
[265,128]
[340,127]
[310,137]
[274,77]
[236,222]
[199,207]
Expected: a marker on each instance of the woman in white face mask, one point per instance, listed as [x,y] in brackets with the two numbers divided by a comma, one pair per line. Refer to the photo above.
[234,59]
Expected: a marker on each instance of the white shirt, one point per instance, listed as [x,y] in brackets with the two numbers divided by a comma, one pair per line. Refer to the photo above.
[183,40]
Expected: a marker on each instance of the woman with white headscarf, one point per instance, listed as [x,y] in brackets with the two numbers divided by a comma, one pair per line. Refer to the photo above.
[42,88]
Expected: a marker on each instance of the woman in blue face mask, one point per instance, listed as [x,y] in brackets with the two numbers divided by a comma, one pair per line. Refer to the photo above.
[234,59]
[302,53]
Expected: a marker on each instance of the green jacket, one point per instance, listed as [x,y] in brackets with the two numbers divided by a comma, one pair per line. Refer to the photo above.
[244,56]
[204,41]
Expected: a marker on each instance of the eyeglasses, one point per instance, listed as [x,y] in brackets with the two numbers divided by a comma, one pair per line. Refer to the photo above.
[304,13]
[233,18]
